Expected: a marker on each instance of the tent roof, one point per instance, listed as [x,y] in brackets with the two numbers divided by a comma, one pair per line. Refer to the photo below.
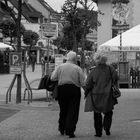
[130,41]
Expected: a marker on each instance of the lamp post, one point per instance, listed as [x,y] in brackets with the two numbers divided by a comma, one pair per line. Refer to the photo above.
[48,52]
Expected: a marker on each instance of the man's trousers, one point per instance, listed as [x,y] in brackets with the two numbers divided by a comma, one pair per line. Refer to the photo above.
[69,97]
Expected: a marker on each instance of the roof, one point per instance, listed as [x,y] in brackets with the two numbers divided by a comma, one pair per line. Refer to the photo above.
[34,27]
[130,41]
[46,5]
[27,10]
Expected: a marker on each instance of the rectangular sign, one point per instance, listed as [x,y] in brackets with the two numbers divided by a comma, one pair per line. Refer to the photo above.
[58,59]
[49,30]
[15,59]
[51,68]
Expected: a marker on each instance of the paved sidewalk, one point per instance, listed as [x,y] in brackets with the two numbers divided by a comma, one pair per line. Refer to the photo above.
[40,123]
[38,120]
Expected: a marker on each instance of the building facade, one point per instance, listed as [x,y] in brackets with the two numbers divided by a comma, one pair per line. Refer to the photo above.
[105,31]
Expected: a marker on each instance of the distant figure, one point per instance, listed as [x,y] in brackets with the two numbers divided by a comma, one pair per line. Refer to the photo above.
[78,60]
[33,61]
[43,65]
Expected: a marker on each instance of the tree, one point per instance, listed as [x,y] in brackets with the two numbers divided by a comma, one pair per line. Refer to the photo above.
[17,19]
[30,38]
[8,28]
[81,18]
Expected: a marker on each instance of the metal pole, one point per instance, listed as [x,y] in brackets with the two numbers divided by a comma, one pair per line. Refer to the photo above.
[48,41]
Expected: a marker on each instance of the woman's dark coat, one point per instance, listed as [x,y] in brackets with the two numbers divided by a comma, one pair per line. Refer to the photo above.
[99,85]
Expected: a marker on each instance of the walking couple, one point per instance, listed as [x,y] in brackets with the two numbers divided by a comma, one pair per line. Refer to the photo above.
[70,79]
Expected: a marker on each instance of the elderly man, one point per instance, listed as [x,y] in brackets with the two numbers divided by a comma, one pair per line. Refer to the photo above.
[70,79]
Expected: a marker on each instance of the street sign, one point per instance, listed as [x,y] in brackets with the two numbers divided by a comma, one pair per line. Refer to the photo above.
[51,68]
[58,59]
[49,30]
[15,59]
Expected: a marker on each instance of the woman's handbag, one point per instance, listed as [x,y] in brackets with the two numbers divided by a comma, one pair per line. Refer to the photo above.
[115,90]
[88,103]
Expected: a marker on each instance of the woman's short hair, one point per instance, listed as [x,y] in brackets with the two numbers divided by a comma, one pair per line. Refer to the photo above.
[100,57]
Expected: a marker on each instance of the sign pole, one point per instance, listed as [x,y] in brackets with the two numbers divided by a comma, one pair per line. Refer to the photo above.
[48,50]
[48,30]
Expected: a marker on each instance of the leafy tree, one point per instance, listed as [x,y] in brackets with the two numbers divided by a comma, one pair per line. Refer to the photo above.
[81,18]
[17,19]
[8,28]
[30,38]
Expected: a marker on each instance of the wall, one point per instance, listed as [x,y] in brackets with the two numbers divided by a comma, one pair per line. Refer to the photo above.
[39,7]
[136,12]
[105,30]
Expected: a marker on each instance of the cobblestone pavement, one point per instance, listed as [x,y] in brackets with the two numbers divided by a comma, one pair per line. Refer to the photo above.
[38,120]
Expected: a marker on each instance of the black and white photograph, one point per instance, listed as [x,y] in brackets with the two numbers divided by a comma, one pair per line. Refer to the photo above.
[69,69]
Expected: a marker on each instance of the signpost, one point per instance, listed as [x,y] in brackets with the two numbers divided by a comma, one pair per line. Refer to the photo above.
[48,31]
[120,13]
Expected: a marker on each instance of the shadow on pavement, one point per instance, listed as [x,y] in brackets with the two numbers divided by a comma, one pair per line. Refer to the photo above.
[6,113]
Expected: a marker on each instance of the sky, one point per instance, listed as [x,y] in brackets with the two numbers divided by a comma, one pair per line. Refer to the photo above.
[56,4]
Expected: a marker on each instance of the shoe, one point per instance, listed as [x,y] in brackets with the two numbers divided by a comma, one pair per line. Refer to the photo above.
[98,135]
[72,136]
[108,133]
[62,132]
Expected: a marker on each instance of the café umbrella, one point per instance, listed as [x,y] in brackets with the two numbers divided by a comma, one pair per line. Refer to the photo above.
[4,46]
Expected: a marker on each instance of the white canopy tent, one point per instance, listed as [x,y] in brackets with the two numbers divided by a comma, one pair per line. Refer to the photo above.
[4,46]
[130,41]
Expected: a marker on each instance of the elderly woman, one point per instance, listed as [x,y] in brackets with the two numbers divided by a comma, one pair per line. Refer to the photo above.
[98,85]
[70,78]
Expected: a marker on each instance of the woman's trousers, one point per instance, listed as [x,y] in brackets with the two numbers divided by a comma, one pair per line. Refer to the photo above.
[102,122]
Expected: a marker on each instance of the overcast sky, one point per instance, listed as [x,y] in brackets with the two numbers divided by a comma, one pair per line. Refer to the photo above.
[56,4]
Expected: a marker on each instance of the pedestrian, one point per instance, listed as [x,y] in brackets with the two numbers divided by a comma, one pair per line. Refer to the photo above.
[43,66]
[98,88]
[79,60]
[33,61]
[70,79]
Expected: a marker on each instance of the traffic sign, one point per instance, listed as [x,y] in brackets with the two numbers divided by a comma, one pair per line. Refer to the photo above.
[15,59]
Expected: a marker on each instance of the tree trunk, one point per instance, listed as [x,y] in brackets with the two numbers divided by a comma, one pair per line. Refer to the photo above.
[19,78]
